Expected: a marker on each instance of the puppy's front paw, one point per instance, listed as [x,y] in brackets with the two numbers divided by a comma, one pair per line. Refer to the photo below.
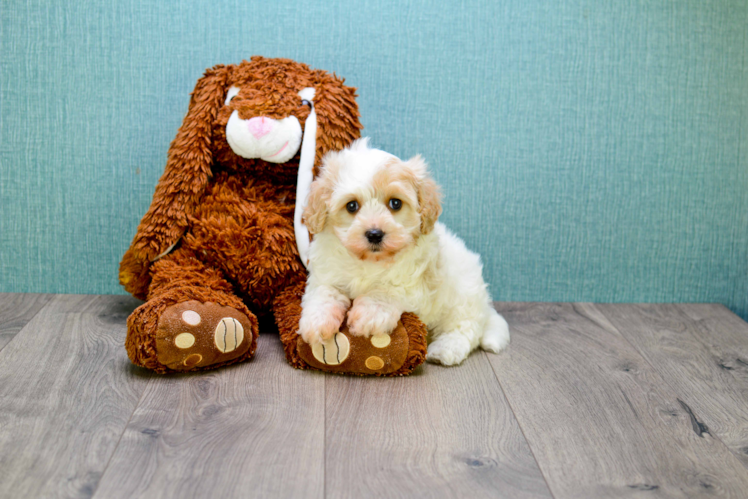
[448,349]
[368,317]
[320,324]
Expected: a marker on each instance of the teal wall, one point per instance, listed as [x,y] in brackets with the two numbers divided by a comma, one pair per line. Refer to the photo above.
[589,150]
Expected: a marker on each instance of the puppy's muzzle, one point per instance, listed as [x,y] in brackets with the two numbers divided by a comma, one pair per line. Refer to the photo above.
[375,236]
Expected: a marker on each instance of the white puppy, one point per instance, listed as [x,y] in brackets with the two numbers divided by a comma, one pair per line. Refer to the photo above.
[377,244]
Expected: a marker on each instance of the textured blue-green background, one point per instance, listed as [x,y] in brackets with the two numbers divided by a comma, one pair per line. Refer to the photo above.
[589,150]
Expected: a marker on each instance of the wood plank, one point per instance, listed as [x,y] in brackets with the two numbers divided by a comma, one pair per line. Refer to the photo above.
[441,432]
[600,421]
[67,391]
[704,359]
[17,309]
[724,334]
[255,429]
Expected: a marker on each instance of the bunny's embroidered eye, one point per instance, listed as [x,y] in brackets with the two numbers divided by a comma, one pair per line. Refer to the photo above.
[352,207]
[233,92]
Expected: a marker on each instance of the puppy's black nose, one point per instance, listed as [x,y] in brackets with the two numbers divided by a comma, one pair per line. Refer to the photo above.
[374,235]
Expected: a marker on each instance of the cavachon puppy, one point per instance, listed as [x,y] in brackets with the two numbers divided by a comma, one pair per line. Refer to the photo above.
[379,250]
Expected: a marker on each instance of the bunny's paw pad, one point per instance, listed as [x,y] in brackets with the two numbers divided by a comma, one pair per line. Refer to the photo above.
[194,335]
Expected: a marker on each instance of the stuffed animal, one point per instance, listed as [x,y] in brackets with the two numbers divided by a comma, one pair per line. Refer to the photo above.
[222,246]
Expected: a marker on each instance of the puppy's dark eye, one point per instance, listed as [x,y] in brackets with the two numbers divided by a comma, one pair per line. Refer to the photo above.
[304,102]
[352,207]
[395,204]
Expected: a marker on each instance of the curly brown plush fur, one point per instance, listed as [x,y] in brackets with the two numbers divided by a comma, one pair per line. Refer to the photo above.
[228,220]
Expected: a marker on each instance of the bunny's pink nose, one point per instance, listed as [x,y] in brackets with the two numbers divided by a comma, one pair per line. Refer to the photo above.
[259,126]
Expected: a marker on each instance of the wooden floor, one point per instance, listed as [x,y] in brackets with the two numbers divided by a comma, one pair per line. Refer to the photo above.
[588,401]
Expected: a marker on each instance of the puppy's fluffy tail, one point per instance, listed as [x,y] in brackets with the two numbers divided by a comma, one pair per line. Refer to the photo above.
[496,335]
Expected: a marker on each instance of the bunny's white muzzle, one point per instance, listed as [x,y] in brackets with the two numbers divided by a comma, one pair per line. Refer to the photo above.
[277,141]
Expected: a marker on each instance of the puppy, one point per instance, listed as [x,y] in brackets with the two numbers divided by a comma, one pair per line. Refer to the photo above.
[379,250]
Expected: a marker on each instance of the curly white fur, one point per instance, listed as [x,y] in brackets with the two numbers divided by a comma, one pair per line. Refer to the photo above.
[419,266]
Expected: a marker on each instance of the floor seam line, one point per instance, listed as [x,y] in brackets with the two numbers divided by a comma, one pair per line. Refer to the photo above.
[124,430]
[15,335]
[516,419]
[324,438]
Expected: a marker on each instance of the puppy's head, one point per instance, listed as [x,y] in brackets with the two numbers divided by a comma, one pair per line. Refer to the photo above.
[376,204]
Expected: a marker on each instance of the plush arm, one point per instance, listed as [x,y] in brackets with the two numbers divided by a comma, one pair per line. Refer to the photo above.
[187,172]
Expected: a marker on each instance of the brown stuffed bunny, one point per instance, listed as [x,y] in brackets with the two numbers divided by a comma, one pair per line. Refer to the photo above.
[220,243]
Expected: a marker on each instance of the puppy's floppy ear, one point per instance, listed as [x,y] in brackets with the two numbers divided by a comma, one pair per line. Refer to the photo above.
[429,196]
[188,169]
[316,211]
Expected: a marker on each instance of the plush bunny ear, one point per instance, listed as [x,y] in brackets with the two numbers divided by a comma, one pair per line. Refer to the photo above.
[332,125]
[338,123]
[188,169]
